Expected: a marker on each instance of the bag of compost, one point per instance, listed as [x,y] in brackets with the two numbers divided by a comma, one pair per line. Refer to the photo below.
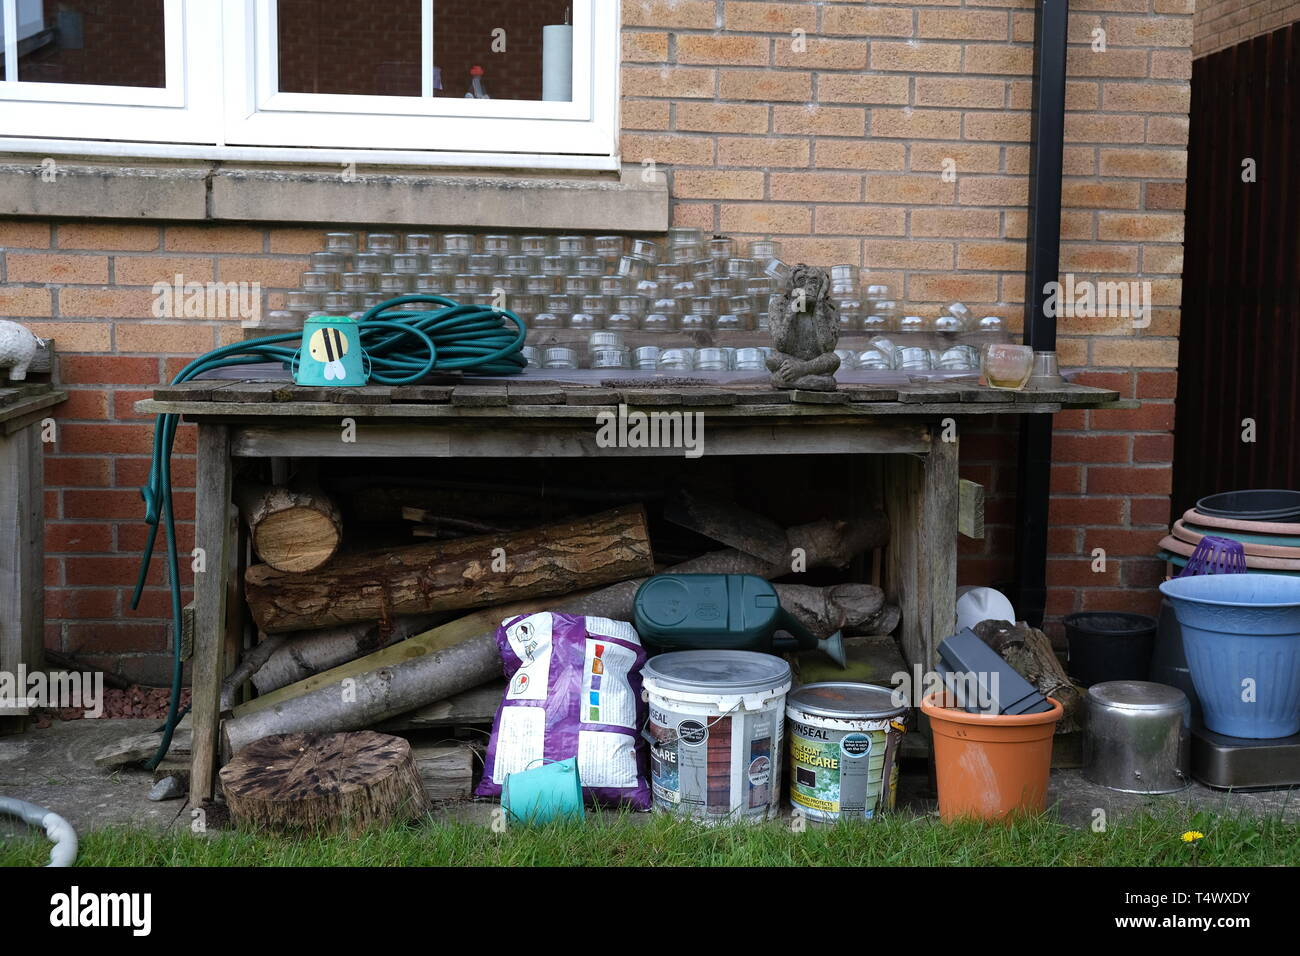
[574,691]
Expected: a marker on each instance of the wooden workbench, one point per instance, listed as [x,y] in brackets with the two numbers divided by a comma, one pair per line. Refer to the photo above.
[911,427]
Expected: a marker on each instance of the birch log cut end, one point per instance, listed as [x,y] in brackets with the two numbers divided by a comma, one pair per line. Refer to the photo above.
[323,783]
[293,530]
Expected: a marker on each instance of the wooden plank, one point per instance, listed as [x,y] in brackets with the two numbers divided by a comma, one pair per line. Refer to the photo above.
[480,396]
[921,502]
[650,396]
[535,394]
[971,392]
[801,397]
[422,394]
[308,393]
[587,397]
[763,397]
[427,440]
[212,511]
[473,707]
[927,394]
[200,391]
[251,392]
[22,565]
[711,397]
[970,514]
[28,409]
[870,393]
[362,395]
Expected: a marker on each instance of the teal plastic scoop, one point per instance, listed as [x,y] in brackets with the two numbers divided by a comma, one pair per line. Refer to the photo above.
[735,612]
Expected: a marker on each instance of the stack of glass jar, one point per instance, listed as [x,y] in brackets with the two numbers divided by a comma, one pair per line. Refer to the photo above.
[604,286]
[608,349]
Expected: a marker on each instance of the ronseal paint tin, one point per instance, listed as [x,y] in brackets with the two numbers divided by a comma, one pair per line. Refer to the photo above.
[844,741]
[716,730]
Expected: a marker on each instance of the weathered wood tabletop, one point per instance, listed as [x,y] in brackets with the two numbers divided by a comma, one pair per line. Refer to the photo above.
[536,398]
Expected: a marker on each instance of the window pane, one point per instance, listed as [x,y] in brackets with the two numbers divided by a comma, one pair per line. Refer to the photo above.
[328,46]
[463,37]
[97,42]
[331,47]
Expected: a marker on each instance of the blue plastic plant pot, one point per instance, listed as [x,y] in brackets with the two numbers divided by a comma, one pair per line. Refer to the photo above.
[331,353]
[1241,633]
[552,791]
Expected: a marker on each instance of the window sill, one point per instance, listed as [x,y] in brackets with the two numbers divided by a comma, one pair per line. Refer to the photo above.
[616,202]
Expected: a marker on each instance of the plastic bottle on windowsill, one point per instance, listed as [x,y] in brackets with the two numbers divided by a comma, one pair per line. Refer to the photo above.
[476,89]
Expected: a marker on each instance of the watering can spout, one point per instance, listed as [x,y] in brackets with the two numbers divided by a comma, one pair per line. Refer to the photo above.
[833,647]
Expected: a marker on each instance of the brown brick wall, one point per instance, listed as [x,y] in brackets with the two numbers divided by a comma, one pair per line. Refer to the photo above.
[1224,23]
[839,151]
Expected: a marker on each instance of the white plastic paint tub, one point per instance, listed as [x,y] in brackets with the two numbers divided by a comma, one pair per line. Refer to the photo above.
[717,723]
[844,740]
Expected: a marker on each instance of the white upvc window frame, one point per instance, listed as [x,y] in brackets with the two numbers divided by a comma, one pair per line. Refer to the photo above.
[183,111]
[222,102]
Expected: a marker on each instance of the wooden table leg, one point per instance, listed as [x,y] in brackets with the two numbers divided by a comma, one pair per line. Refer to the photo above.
[921,499]
[212,533]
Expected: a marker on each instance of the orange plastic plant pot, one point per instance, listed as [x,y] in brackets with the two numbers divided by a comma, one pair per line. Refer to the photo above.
[991,766]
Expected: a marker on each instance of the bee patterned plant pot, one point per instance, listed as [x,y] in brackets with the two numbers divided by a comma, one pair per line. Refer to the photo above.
[331,353]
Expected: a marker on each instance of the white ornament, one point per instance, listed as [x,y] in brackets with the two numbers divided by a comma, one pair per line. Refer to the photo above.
[17,348]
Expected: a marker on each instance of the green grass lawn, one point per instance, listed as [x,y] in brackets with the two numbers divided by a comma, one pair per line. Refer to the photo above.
[611,840]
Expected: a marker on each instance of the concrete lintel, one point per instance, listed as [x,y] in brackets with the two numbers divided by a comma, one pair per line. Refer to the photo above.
[615,202]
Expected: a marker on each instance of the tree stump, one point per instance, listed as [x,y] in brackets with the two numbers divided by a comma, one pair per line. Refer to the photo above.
[323,783]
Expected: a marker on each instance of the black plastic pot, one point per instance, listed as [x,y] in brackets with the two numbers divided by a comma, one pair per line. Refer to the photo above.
[1109,645]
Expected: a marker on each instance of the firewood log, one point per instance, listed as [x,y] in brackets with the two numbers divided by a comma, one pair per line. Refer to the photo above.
[1030,652]
[291,529]
[447,575]
[387,683]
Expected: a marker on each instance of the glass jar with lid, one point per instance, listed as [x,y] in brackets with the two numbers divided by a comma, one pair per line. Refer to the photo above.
[499,245]
[701,316]
[555,312]
[572,246]
[591,313]
[373,262]
[629,312]
[385,243]
[344,243]
[458,244]
[320,281]
[739,314]
[420,243]
[539,285]
[537,245]
[409,263]
[357,282]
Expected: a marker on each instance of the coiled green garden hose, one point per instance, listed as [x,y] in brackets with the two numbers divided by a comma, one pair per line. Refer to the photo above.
[454,337]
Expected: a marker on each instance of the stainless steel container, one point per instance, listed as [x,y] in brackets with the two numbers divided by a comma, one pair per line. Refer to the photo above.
[1137,737]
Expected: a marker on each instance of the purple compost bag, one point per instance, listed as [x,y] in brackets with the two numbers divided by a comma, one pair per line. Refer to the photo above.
[575,691]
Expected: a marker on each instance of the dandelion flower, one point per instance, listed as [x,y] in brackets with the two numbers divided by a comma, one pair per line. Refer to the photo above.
[1191,836]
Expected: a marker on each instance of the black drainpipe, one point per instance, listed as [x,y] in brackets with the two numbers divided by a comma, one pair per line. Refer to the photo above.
[1047,138]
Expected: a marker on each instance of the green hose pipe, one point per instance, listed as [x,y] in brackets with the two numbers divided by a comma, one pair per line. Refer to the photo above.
[404,345]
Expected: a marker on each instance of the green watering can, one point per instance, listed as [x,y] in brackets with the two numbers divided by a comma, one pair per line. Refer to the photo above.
[734,612]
